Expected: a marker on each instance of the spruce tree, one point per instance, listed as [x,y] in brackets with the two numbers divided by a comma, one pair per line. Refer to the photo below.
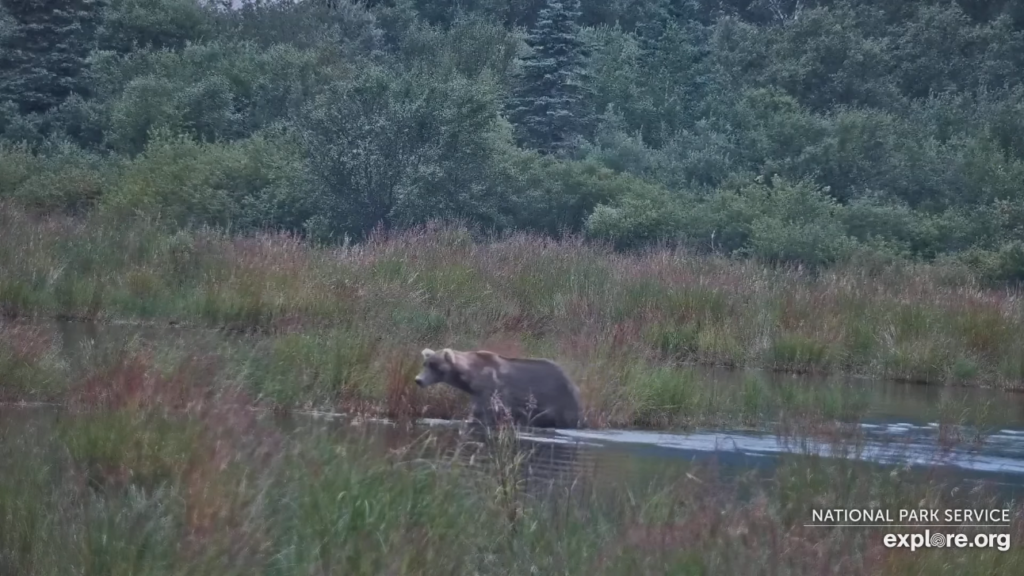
[44,51]
[547,107]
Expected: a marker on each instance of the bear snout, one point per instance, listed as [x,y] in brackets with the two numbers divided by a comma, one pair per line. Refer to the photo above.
[420,382]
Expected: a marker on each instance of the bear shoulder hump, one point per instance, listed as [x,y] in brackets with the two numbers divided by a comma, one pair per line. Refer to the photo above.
[489,359]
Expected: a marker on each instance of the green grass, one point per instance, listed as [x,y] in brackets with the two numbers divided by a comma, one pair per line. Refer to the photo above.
[158,465]
[220,490]
[31,367]
[434,287]
[342,328]
[345,370]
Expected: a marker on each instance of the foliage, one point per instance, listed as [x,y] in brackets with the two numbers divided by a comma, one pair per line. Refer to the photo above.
[873,128]
[547,107]
[247,184]
[397,149]
[44,46]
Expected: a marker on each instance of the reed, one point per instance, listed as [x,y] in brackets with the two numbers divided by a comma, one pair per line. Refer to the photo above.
[340,328]
[576,301]
[132,488]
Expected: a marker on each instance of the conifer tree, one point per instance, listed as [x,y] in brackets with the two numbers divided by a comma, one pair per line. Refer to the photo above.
[548,106]
[44,51]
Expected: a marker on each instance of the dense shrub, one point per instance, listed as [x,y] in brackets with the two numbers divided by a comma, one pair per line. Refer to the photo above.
[788,134]
[245,184]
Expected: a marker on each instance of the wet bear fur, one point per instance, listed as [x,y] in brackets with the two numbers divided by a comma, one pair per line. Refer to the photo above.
[532,392]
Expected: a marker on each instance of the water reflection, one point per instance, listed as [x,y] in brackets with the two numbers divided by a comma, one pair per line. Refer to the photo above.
[879,401]
[899,428]
[564,462]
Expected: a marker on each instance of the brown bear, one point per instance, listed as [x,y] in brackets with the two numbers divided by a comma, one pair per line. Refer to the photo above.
[533,392]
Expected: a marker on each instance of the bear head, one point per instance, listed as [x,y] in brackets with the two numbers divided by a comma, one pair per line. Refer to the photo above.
[439,367]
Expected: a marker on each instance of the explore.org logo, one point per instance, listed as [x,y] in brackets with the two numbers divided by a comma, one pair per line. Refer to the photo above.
[928,519]
[931,539]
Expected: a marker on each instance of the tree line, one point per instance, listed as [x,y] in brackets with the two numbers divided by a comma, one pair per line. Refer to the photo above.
[795,131]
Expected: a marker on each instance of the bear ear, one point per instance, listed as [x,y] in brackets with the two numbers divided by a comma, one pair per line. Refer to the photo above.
[458,362]
[427,353]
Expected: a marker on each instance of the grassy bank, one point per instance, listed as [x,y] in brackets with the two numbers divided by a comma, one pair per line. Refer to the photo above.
[332,370]
[157,465]
[131,488]
[345,324]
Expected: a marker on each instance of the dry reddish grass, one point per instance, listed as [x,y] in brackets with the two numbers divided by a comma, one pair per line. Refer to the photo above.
[217,504]
[25,343]
[131,381]
[231,439]
[590,309]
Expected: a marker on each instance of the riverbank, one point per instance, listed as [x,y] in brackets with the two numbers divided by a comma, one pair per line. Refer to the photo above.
[52,362]
[218,489]
[344,325]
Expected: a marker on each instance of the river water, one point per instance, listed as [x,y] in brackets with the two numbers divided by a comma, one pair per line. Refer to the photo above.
[903,425]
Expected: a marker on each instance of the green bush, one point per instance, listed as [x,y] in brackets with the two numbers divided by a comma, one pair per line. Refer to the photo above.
[68,179]
[777,220]
[243,184]
[219,90]
[397,146]
[798,223]
[639,215]
[17,165]
[1002,265]
[895,134]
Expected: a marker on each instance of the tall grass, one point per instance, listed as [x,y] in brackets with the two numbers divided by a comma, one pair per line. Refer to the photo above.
[31,367]
[156,464]
[344,325]
[135,489]
[341,370]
